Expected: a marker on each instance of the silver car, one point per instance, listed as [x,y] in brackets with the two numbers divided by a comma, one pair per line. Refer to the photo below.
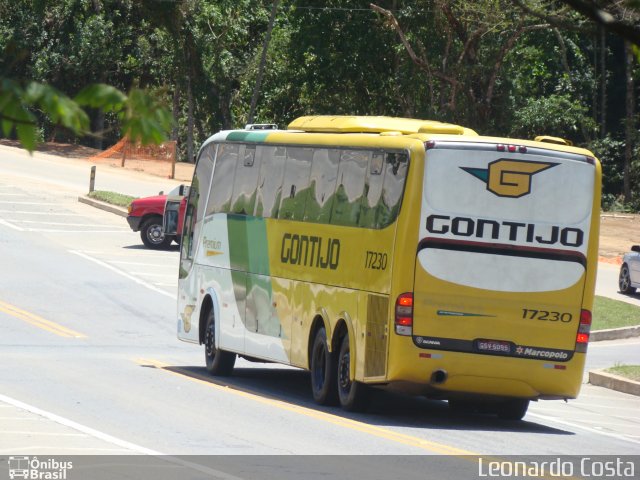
[629,278]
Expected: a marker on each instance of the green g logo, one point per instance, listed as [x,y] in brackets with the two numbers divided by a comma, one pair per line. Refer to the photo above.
[509,178]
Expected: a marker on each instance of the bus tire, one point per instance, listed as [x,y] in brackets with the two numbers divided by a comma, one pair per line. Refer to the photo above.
[624,280]
[151,234]
[513,409]
[219,362]
[353,395]
[323,368]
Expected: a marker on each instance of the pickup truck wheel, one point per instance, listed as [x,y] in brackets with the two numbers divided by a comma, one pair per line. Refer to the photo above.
[151,234]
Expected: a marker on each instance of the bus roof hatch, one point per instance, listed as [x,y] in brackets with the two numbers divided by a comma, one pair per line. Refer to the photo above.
[360,124]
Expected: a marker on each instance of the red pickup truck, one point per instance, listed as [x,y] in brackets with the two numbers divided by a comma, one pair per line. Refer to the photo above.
[146,214]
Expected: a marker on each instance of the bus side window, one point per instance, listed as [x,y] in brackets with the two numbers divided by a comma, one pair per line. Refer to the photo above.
[270,181]
[351,178]
[195,205]
[396,165]
[245,185]
[295,186]
[222,182]
[372,200]
[322,185]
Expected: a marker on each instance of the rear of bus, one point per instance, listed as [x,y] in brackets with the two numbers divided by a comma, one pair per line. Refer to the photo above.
[504,271]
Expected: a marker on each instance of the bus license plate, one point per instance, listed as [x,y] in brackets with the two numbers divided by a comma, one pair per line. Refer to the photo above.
[493,346]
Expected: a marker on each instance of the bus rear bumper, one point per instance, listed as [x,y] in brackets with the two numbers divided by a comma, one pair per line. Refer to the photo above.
[453,374]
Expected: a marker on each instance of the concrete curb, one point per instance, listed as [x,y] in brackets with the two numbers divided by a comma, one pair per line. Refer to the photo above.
[615,333]
[601,378]
[104,206]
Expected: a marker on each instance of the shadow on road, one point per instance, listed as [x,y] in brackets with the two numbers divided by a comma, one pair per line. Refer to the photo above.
[387,408]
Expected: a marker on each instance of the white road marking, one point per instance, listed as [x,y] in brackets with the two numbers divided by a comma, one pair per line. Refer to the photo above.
[76,426]
[601,424]
[584,406]
[139,264]
[38,222]
[25,212]
[170,275]
[124,274]
[583,427]
[7,194]
[41,449]
[113,440]
[45,434]
[48,230]
[35,203]
[131,252]
[11,225]
[32,212]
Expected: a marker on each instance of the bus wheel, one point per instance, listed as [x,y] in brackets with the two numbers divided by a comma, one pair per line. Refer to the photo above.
[218,361]
[353,396]
[323,371]
[513,409]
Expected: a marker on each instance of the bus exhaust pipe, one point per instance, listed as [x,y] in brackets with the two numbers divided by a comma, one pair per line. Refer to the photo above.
[438,377]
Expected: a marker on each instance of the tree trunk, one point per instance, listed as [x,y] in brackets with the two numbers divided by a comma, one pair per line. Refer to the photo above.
[176,113]
[603,82]
[99,129]
[629,123]
[190,154]
[263,61]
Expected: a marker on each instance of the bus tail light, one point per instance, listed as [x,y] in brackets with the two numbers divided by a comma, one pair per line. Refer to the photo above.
[584,329]
[404,314]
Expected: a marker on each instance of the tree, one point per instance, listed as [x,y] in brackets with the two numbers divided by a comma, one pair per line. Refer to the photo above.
[48,46]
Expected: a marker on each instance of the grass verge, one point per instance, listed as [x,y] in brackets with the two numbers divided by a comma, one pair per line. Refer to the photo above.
[609,313]
[113,198]
[632,372]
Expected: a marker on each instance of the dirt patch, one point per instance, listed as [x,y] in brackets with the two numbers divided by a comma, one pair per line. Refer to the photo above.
[66,150]
[183,171]
[617,233]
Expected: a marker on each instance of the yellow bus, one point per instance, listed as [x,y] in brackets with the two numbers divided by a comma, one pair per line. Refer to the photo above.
[380,251]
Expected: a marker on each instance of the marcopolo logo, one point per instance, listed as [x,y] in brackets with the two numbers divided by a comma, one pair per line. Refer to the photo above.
[38,469]
[509,178]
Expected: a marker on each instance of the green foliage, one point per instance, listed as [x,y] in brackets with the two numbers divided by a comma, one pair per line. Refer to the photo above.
[17,102]
[556,115]
[609,313]
[114,198]
[142,117]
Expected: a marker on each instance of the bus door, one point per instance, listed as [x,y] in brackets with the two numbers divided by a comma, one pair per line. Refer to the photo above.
[502,255]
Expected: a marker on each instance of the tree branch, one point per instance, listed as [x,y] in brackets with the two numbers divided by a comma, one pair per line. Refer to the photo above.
[506,47]
[420,62]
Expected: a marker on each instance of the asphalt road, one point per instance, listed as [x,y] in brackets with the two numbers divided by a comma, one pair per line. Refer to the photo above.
[91,364]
